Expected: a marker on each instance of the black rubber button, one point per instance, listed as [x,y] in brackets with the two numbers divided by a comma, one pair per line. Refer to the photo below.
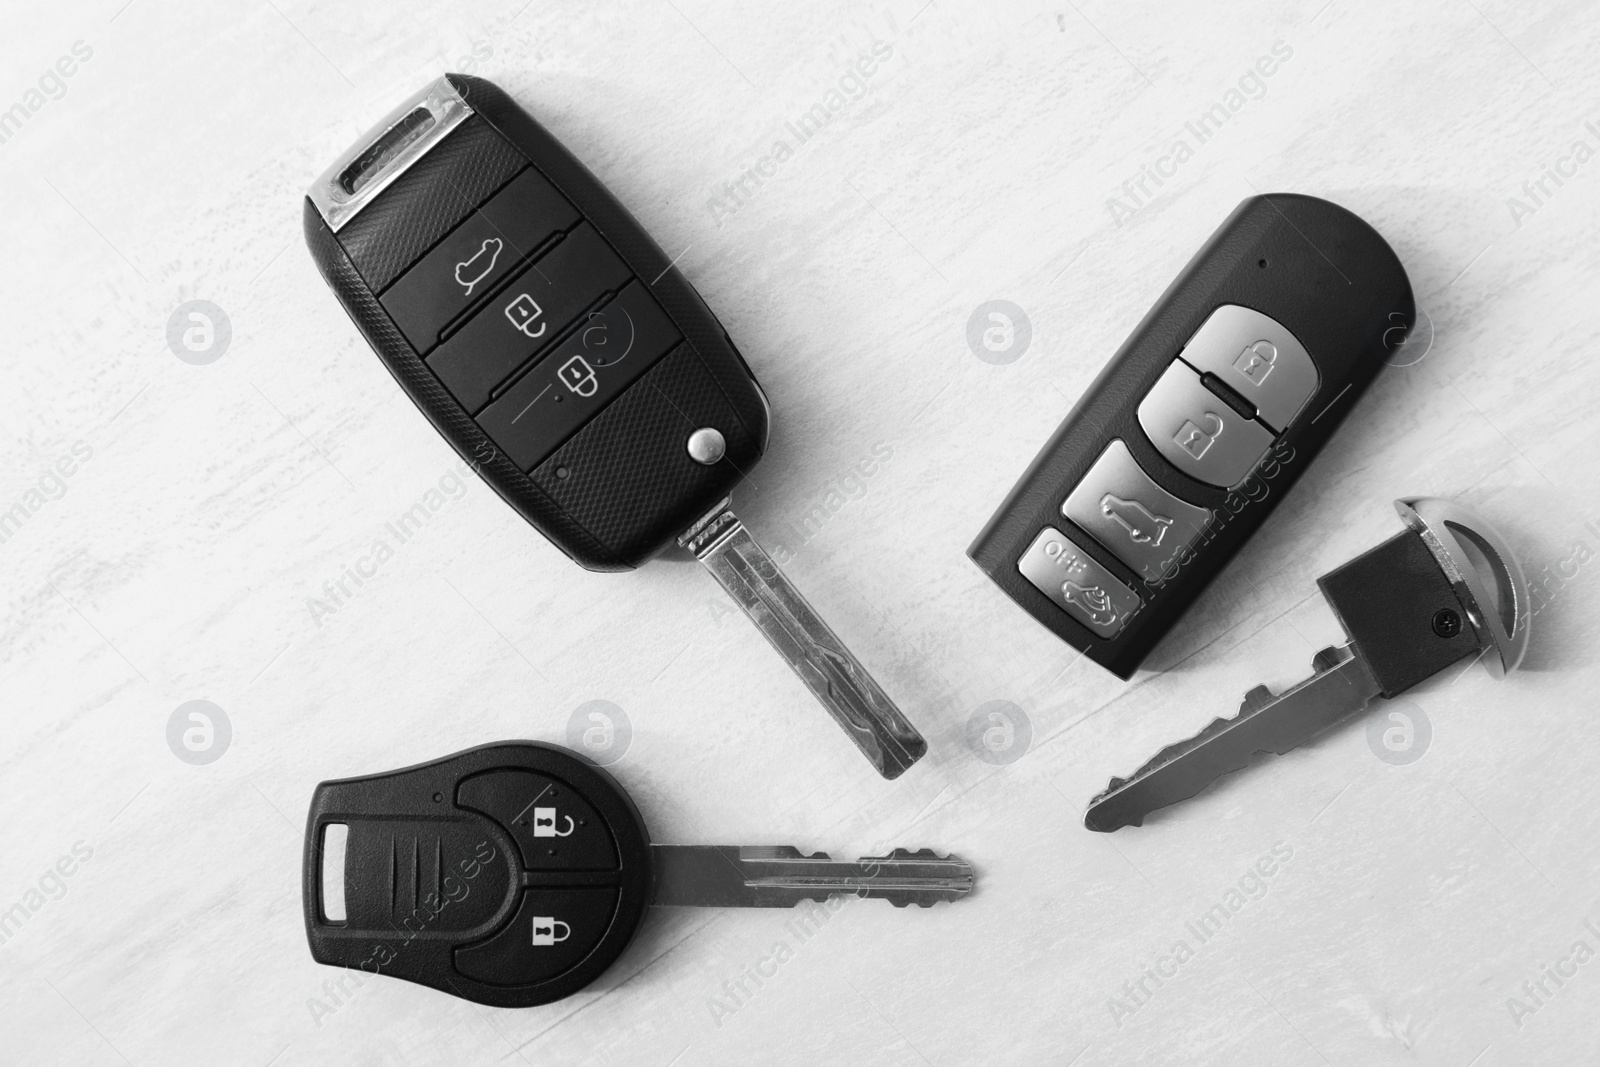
[488,245]
[615,344]
[527,316]
[553,930]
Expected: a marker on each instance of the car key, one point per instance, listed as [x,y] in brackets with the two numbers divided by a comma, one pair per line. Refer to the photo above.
[551,342]
[1198,426]
[515,874]
[1444,589]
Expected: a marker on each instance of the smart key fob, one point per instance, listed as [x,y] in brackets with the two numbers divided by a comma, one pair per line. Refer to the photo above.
[534,322]
[1199,425]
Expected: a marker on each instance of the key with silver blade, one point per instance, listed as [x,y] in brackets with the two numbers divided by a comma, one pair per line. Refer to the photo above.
[1446,588]
[516,873]
[556,347]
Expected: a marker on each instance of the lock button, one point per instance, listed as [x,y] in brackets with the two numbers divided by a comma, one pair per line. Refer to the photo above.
[1258,359]
[1198,433]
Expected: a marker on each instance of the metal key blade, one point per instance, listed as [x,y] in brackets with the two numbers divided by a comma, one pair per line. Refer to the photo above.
[1342,685]
[780,876]
[859,705]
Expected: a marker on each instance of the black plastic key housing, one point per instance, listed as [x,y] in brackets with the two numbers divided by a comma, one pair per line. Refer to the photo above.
[1330,287]
[512,874]
[493,254]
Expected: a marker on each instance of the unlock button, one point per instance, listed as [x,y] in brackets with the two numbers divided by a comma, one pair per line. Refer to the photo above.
[1199,434]
[555,829]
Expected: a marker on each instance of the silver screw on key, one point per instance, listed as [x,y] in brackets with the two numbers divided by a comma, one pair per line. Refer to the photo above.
[1446,588]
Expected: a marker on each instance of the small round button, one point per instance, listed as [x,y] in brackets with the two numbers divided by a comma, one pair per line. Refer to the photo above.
[707,446]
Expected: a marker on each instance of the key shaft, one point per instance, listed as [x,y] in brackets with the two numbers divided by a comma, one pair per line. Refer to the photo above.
[832,673]
[1342,686]
[780,876]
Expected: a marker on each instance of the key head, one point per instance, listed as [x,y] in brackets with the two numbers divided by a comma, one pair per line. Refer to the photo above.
[511,874]
[534,322]
[1484,573]
[1206,417]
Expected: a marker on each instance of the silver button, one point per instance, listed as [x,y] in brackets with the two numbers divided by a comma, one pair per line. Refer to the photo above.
[1142,524]
[1203,437]
[707,446]
[1084,589]
[1258,359]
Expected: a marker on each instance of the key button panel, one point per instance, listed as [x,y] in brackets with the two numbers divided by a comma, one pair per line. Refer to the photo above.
[1141,523]
[1258,359]
[1201,436]
[1082,588]
[527,316]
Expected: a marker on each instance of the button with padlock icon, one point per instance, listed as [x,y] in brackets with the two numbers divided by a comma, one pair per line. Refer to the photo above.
[1198,433]
[553,827]
[1255,356]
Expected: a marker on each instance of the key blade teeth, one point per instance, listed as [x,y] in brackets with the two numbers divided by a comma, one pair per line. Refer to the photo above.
[1255,699]
[1266,723]
[935,877]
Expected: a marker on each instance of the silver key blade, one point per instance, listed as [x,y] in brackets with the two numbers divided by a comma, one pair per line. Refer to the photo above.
[834,676]
[1341,686]
[780,876]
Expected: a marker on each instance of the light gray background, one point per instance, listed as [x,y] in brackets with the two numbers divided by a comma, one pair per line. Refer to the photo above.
[177,562]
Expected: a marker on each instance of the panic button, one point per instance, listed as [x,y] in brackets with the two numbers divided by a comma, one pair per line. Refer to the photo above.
[1258,359]
[475,255]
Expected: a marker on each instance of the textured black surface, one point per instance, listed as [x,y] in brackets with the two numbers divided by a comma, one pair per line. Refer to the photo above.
[419,948]
[428,201]
[1317,269]
[629,479]
[454,424]
[644,257]
[1386,599]
[632,482]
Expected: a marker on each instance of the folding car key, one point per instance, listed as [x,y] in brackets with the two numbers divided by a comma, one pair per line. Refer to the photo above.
[1446,588]
[1198,426]
[551,342]
[514,874]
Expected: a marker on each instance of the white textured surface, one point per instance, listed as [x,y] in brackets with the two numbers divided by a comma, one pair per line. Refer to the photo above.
[976,164]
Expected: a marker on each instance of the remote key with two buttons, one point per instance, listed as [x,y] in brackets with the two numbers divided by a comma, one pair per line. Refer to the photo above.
[1199,425]
[515,874]
[556,347]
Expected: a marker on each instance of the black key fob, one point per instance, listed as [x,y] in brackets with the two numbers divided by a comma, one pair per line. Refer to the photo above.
[534,322]
[511,874]
[1199,425]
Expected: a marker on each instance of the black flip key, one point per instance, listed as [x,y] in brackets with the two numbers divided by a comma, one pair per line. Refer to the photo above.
[534,322]
[515,873]
[551,342]
[1199,425]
